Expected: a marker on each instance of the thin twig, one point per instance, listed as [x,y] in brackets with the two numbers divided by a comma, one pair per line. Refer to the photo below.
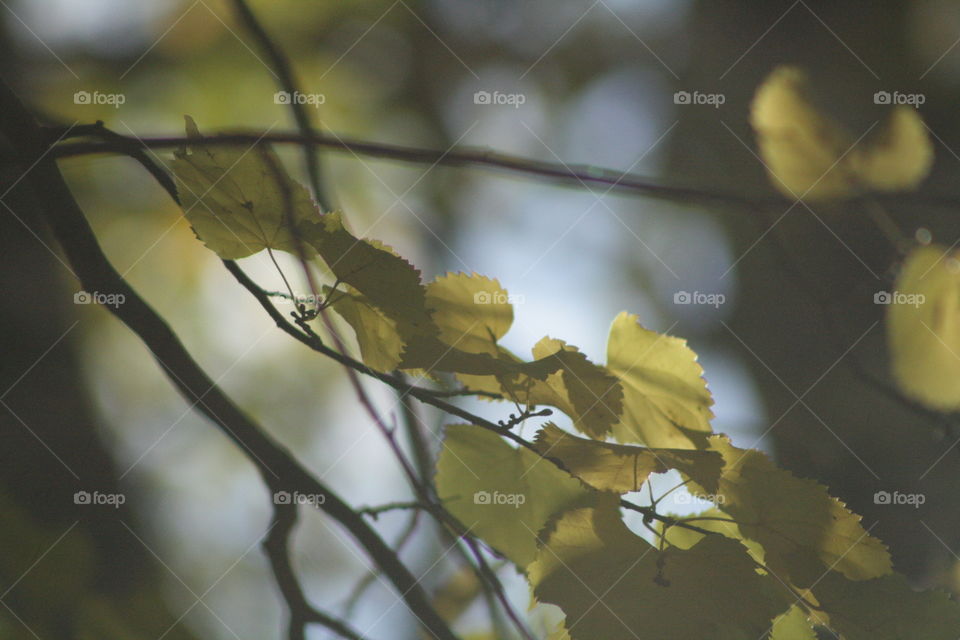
[501,594]
[370,577]
[573,175]
[302,613]
[283,71]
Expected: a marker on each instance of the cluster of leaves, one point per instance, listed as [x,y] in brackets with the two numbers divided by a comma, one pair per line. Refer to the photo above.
[812,157]
[777,555]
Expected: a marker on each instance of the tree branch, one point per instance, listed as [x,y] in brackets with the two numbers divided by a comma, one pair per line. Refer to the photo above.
[575,175]
[276,545]
[276,465]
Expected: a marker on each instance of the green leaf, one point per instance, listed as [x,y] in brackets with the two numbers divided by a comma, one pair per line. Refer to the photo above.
[624,468]
[503,495]
[613,585]
[886,608]
[233,197]
[665,398]
[803,530]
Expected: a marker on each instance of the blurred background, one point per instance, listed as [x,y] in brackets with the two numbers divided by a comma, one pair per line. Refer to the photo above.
[780,307]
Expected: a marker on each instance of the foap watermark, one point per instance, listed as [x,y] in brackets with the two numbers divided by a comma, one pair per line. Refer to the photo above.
[285,497]
[698,297]
[96,498]
[895,297]
[896,97]
[496,297]
[306,299]
[513,499]
[96,97]
[912,499]
[312,99]
[512,99]
[693,498]
[96,297]
[696,97]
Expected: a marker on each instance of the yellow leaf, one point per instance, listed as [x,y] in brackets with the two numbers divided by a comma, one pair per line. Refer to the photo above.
[800,146]
[809,155]
[803,530]
[588,393]
[564,379]
[385,280]
[471,311]
[503,495]
[381,346]
[233,198]
[899,156]
[613,585]
[624,468]
[665,398]
[923,327]
[793,625]
[718,522]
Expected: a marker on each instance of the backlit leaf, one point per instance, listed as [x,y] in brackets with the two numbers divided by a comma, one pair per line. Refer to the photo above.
[803,530]
[612,584]
[381,346]
[809,155]
[665,398]
[899,156]
[713,519]
[923,327]
[233,197]
[385,280]
[502,494]
[624,468]
[586,392]
[793,625]
[472,312]
[800,146]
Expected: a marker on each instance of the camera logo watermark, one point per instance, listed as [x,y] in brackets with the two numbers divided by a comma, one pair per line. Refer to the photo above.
[313,99]
[895,297]
[312,499]
[306,299]
[513,499]
[512,99]
[697,297]
[95,297]
[694,498]
[96,498]
[96,97]
[912,499]
[712,99]
[886,97]
[496,297]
